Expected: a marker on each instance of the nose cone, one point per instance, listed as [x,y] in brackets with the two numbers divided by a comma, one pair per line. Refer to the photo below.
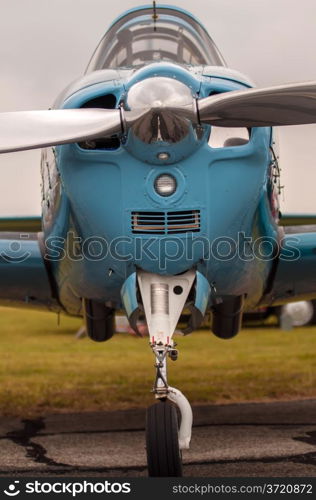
[158,92]
[162,127]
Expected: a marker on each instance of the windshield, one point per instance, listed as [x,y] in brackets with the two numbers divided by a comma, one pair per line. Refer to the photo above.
[140,37]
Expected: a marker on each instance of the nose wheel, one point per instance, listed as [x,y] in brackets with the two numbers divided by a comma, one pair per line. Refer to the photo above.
[162,442]
[164,437]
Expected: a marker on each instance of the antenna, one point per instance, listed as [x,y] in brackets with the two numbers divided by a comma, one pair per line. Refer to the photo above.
[155,15]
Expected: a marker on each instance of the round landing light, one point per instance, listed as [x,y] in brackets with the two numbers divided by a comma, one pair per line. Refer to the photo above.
[165,185]
[163,156]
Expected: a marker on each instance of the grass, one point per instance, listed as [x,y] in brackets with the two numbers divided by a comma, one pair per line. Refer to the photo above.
[43,368]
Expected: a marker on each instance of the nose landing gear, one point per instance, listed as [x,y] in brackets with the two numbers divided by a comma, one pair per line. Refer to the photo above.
[165,439]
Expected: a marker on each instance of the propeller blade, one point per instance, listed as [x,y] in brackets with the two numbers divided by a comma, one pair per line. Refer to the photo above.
[35,129]
[293,104]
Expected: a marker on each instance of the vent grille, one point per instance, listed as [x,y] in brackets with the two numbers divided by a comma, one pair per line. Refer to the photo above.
[186,221]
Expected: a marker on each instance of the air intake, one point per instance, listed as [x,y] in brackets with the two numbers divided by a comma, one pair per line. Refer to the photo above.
[186,221]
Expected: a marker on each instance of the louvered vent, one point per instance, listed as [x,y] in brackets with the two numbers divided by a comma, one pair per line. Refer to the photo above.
[186,221]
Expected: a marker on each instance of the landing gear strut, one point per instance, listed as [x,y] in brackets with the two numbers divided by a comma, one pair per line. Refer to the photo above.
[164,438]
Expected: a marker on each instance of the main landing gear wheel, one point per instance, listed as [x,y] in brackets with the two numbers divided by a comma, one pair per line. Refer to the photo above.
[162,441]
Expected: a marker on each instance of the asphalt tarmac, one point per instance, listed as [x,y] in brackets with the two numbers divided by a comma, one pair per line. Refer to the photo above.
[259,439]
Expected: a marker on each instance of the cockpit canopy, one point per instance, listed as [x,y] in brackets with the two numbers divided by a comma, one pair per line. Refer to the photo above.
[146,35]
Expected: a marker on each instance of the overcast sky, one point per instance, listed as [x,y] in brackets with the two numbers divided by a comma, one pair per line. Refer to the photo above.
[47,43]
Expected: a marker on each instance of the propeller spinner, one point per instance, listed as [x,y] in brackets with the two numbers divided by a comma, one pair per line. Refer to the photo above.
[162,101]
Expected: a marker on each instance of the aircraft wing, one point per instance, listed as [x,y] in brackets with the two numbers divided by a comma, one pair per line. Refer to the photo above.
[294,274]
[24,273]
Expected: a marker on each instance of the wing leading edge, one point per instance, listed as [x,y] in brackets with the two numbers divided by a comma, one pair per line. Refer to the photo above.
[24,275]
[294,276]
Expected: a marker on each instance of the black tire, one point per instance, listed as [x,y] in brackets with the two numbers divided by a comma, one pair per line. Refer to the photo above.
[163,454]
[99,320]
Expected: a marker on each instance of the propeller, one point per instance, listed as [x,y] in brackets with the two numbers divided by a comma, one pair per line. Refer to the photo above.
[293,104]
[34,129]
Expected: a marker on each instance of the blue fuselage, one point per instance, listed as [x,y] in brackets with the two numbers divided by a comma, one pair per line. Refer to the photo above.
[95,201]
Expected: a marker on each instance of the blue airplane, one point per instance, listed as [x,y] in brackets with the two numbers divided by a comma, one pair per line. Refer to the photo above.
[160,184]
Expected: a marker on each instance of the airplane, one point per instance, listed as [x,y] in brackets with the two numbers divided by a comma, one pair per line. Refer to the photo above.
[160,194]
